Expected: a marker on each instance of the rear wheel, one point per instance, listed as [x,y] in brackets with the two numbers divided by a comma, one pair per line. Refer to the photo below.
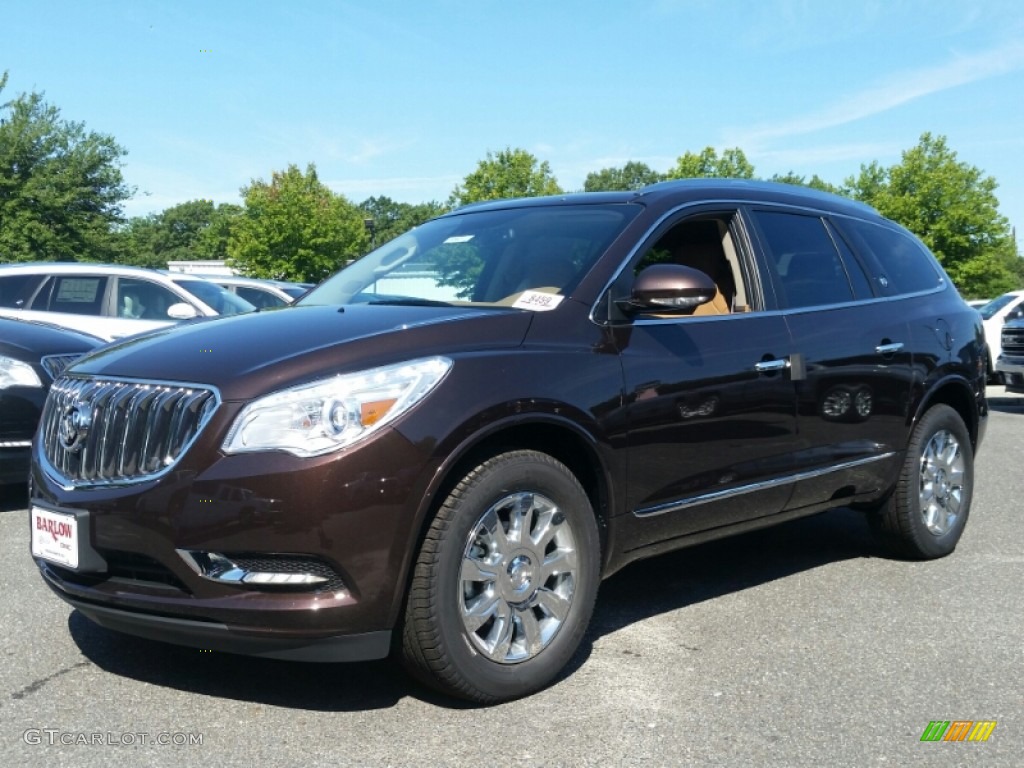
[925,515]
[505,581]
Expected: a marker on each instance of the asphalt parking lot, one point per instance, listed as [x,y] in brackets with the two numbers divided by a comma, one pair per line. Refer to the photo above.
[801,645]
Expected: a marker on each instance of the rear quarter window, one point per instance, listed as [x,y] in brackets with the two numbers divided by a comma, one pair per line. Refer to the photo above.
[78,295]
[899,263]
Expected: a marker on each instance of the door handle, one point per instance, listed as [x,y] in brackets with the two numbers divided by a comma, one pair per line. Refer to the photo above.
[770,366]
[888,349]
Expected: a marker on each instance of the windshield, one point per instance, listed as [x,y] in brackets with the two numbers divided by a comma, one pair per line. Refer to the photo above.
[996,304]
[485,258]
[221,300]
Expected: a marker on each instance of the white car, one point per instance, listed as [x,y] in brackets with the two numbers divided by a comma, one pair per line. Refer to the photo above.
[994,314]
[109,301]
[262,293]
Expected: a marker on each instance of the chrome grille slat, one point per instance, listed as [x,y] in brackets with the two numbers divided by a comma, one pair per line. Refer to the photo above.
[138,429]
[55,364]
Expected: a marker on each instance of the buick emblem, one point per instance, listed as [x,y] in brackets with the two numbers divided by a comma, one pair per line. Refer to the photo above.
[73,428]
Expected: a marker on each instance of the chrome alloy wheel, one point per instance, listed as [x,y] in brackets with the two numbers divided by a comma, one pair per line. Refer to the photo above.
[518,577]
[942,479]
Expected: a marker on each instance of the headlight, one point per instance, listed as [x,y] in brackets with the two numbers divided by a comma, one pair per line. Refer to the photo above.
[14,373]
[326,415]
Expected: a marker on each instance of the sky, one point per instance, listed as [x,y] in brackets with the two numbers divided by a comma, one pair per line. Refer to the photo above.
[404,99]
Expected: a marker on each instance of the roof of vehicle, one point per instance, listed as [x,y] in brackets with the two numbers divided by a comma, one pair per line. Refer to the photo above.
[695,190]
[240,280]
[71,267]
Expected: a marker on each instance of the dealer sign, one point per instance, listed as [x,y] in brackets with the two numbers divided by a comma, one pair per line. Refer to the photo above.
[55,537]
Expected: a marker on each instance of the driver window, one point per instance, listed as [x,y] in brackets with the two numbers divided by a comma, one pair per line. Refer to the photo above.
[143,300]
[707,245]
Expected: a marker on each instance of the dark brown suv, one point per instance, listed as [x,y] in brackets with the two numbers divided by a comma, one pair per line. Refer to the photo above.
[443,449]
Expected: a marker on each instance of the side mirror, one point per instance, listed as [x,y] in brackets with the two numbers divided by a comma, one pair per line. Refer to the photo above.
[669,288]
[181,311]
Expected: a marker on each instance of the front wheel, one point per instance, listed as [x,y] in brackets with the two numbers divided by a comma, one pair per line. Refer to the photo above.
[505,581]
[925,515]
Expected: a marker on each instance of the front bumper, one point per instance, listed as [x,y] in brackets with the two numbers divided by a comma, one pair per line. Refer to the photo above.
[353,515]
[1012,369]
[14,461]
[19,415]
[210,635]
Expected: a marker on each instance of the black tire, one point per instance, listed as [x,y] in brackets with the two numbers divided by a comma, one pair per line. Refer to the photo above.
[442,649]
[924,517]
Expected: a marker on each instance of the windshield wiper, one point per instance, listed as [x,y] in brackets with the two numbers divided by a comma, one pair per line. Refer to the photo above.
[408,301]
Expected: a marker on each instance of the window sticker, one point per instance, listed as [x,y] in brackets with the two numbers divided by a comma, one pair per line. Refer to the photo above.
[537,301]
[459,239]
[78,290]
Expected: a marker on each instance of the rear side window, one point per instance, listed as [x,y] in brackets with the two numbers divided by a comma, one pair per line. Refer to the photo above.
[808,269]
[79,295]
[900,264]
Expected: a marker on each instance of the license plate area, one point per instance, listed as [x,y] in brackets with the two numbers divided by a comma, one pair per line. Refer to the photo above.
[55,537]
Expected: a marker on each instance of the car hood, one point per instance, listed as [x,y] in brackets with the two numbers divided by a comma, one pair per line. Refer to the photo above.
[26,340]
[246,356]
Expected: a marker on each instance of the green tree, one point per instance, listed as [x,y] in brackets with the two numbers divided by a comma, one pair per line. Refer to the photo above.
[61,187]
[509,173]
[390,219]
[192,230]
[295,228]
[815,182]
[952,207]
[733,164]
[632,175]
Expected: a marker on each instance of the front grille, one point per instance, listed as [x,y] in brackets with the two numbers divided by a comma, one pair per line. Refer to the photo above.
[136,567]
[1013,341]
[102,431]
[55,364]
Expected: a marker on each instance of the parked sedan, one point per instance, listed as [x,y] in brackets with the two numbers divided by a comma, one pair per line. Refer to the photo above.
[32,355]
[109,300]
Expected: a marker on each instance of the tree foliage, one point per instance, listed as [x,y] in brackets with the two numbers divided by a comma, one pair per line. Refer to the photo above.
[509,173]
[633,175]
[952,207]
[815,182]
[192,230]
[733,164]
[61,187]
[390,219]
[295,228]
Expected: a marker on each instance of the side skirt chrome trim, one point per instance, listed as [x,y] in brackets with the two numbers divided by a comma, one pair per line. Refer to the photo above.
[704,498]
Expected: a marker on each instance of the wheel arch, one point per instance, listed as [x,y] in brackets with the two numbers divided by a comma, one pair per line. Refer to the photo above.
[955,392]
[559,438]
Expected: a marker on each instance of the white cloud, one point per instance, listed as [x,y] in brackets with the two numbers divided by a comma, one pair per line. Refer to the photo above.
[891,93]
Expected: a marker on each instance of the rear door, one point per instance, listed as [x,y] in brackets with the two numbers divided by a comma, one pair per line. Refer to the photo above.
[852,354]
